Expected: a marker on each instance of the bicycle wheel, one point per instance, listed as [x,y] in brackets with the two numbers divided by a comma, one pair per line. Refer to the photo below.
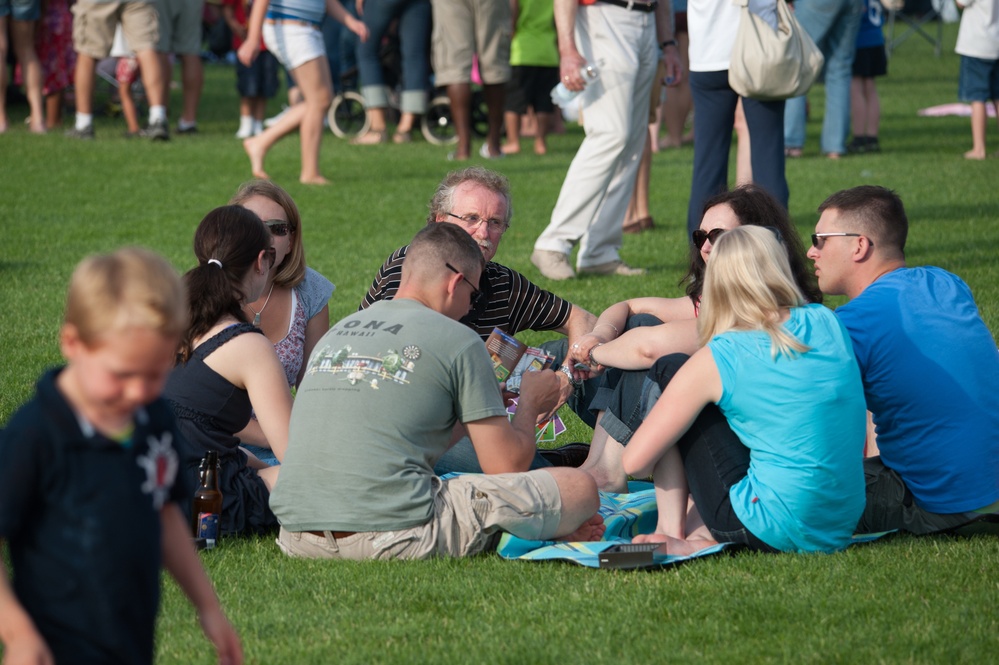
[436,124]
[346,116]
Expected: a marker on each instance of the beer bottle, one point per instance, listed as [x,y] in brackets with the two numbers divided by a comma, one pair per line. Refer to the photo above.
[206,508]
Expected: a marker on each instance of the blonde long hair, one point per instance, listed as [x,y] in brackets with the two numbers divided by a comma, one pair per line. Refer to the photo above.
[747,283]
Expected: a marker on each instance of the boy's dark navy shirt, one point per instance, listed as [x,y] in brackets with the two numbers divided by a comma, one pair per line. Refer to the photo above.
[80,514]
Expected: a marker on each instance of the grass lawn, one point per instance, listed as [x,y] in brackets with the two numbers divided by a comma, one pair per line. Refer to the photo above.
[900,600]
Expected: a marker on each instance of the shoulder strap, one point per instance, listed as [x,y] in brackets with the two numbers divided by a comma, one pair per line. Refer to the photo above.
[222,337]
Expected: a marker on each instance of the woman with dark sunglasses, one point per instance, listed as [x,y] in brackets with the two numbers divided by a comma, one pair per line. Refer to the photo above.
[630,336]
[293,309]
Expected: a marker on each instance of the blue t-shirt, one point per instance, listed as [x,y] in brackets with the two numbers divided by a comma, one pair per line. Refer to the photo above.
[803,419]
[931,378]
[870,33]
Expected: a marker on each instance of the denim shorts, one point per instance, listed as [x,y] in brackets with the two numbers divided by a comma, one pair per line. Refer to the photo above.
[21,10]
[979,80]
[259,79]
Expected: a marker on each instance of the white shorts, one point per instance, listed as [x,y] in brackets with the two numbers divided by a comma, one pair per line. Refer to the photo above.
[294,44]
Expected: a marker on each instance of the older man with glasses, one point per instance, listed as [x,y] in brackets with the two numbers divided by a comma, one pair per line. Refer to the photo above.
[929,365]
[478,200]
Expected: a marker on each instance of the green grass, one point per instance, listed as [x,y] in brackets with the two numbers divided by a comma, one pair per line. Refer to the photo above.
[901,600]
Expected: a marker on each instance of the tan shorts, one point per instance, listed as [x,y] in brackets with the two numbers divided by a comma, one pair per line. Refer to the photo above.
[470,512]
[180,26]
[460,25]
[94,24]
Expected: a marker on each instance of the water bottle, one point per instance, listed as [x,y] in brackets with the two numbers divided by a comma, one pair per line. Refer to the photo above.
[561,95]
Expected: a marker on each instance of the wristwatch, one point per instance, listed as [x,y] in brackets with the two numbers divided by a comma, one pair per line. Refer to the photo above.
[568,373]
[668,42]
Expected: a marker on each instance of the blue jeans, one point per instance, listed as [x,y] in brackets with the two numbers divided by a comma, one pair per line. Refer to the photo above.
[715,103]
[414,41]
[833,25]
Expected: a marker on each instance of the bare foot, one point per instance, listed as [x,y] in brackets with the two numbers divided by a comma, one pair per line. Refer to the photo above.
[540,147]
[313,180]
[256,155]
[371,137]
[592,529]
[975,154]
[37,128]
[676,546]
[510,149]
[833,155]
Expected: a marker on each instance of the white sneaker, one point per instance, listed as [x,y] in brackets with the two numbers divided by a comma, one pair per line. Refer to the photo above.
[553,265]
[613,268]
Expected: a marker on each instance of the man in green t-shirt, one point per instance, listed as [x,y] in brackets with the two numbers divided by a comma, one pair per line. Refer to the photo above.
[386,392]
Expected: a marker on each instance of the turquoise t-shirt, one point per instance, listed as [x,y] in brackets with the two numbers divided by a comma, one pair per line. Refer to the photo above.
[804,421]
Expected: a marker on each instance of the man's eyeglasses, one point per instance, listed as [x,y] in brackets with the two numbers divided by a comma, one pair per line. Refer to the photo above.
[475,292]
[472,221]
[278,227]
[818,239]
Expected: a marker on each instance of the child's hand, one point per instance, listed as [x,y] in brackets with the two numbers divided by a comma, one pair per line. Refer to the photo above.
[358,28]
[218,629]
[248,52]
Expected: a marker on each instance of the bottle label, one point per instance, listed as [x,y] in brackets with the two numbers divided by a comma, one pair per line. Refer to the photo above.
[208,528]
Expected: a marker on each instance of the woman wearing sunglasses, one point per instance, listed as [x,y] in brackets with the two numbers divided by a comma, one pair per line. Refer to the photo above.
[226,368]
[764,425]
[293,309]
[630,336]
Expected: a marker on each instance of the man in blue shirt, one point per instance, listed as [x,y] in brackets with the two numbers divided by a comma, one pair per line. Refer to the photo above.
[929,364]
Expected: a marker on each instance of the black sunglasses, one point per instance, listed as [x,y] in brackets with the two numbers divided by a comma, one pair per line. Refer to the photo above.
[278,227]
[700,236]
[476,294]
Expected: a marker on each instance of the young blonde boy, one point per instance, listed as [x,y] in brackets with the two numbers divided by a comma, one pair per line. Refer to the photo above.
[89,483]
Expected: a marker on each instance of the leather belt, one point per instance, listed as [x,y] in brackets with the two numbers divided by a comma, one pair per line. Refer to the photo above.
[633,6]
[336,534]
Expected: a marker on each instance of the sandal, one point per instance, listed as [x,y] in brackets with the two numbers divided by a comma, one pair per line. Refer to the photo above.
[402,137]
[793,153]
[371,137]
[638,225]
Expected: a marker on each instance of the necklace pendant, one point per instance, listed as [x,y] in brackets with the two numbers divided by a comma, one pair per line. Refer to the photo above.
[256,319]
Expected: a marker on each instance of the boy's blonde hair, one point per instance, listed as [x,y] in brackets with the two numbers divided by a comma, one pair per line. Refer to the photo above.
[131,287]
[747,283]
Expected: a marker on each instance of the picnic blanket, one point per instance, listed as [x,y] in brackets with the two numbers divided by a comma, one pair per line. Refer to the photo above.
[625,516]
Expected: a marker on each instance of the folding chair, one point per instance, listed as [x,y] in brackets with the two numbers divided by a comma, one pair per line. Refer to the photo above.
[914,14]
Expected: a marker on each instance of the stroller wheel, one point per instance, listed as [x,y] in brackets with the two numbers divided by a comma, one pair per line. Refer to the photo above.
[436,123]
[347,117]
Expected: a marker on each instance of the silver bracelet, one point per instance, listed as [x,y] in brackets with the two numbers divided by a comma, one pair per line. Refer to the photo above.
[568,372]
[593,362]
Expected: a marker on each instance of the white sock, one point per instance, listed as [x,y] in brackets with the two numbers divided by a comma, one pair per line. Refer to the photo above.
[245,122]
[184,124]
[84,120]
[258,126]
[157,114]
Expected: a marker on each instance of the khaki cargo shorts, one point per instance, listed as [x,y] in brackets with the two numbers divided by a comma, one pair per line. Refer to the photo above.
[94,24]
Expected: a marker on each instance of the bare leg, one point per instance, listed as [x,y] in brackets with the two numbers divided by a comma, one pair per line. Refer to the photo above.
[604,462]
[978,122]
[269,476]
[154,77]
[316,84]
[678,103]
[83,82]
[638,206]
[512,145]
[256,147]
[544,123]
[166,76]
[406,122]
[53,110]
[128,108]
[858,107]
[495,95]
[743,153]
[460,96]
[23,38]
[873,116]
[580,502]
[192,81]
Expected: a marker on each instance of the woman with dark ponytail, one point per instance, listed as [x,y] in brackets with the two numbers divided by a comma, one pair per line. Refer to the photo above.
[226,368]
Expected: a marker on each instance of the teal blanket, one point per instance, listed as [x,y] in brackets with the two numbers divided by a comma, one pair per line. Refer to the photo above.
[625,516]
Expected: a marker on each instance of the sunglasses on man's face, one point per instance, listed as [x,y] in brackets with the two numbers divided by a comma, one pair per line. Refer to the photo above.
[700,236]
[278,227]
